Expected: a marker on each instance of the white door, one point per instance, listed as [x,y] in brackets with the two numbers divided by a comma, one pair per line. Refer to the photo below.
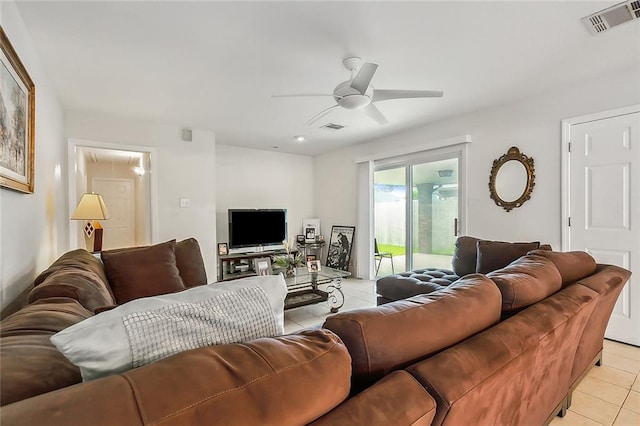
[605,207]
[118,195]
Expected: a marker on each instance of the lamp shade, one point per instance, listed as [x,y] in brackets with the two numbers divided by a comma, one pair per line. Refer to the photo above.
[91,207]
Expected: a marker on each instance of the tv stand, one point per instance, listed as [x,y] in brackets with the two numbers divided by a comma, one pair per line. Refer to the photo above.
[239,265]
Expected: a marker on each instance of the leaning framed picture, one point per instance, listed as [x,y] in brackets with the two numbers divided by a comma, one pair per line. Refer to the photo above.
[17,121]
[313,266]
[223,249]
[262,266]
[340,245]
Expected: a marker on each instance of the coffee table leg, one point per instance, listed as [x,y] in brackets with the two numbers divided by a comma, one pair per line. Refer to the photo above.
[335,297]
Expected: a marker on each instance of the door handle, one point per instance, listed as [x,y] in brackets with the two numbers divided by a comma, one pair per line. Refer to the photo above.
[455,227]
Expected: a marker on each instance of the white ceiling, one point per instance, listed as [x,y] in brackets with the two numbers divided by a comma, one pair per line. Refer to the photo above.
[215,65]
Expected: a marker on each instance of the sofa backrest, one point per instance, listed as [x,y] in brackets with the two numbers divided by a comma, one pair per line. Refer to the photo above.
[571,265]
[286,380]
[397,334]
[76,283]
[29,363]
[516,372]
[525,281]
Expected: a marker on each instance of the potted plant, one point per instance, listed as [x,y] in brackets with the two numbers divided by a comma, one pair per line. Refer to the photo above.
[289,261]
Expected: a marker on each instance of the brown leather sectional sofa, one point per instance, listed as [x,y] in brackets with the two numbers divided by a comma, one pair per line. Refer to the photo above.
[502,349]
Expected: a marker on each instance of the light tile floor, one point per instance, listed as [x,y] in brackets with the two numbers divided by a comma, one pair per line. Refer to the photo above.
[608,395]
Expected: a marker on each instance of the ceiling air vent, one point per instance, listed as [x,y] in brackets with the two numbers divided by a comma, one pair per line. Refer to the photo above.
[612,16]
[332,126]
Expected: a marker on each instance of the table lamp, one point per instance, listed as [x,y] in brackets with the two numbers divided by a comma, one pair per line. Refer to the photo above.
[92,208]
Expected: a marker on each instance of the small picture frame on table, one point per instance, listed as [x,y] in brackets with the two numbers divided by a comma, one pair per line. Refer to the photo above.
[311,257]
[310,234]
[262,266]
[223,249]
[313,266]
[319,238]
[300,239]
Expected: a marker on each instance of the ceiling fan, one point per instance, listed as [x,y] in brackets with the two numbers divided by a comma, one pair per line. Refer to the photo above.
[358,93]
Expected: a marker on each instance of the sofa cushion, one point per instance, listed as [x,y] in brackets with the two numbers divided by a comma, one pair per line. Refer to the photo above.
[465,256]
[494,255]
[526,281]
[109,343]
[396,399]
[83,285]
[44,316]
[80,259]
[190,264]
[287,380]
[391,336]
[142,271]
[572,265]
[30,365]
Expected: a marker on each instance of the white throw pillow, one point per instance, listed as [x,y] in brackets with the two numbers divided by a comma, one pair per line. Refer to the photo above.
[102,345]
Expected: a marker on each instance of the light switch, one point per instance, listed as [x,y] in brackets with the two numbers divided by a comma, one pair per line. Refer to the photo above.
[185,202]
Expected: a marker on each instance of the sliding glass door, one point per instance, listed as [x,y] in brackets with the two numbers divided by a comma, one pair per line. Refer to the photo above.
[435,211]
[416,211]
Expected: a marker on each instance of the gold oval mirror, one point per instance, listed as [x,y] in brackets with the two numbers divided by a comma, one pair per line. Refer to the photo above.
[512,179]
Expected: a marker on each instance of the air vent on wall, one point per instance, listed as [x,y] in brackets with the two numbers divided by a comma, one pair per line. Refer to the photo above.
[333,126]
[612,16]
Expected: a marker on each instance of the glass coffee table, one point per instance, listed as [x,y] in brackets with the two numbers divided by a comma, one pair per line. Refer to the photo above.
[303,288]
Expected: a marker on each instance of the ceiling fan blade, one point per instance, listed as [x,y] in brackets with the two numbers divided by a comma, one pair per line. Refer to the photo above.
[319,115]
[383,95]
[362,80]
[373,112]
[298,95]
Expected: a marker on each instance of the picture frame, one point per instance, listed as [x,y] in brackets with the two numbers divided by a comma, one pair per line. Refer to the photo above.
[314,266]
[300,239]
[311,258]
[17,140]
[310,228]
[223,249]
[310,234]
[262,266]
[319,238]
[340,246]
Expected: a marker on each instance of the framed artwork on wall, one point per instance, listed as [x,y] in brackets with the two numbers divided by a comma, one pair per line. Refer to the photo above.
[340,245]
[17,121]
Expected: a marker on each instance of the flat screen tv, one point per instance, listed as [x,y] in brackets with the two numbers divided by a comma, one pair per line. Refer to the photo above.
[257,227]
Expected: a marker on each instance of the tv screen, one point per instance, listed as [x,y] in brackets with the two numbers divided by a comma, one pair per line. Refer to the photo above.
[257,227]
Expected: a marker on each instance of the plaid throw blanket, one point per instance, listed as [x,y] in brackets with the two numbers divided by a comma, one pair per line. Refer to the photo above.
[233,317]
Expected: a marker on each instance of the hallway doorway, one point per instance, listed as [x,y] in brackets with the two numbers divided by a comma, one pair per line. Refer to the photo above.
[123,176]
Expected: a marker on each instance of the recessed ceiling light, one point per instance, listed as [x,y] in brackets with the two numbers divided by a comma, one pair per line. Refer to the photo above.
[299,138]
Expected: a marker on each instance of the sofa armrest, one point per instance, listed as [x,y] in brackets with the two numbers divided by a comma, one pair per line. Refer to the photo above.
[398,399]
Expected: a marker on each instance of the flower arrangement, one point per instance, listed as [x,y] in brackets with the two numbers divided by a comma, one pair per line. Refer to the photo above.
[288,261]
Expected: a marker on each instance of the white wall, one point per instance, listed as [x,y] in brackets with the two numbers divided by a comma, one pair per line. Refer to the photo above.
[185,170]
[34,227]
[250,178]
[531,124]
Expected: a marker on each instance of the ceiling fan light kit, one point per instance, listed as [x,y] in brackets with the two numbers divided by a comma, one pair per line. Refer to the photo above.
[357,93]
